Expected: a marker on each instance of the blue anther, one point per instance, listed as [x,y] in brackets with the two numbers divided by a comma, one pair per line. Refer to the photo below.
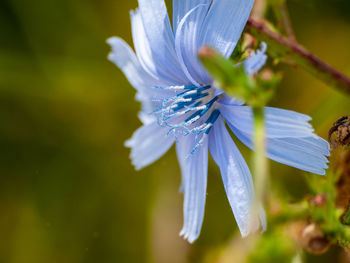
[197,113]
[202,112]
[190,87]
[212,119]
[203,88]
[210,103]
[196,96]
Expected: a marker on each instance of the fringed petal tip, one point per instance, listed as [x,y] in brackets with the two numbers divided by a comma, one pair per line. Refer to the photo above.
[323,173]
[290,138]
[112,42]
[116,55]
[237,180]
[194,169]
[148,144]
[256,223]
[326,146]
[190,237]
[120,53]
[130,144]
[111,55]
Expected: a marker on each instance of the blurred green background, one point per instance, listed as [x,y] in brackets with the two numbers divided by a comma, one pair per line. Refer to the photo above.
[68,192]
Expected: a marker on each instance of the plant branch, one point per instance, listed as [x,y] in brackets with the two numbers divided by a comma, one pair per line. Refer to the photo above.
[287,22]
[283,48]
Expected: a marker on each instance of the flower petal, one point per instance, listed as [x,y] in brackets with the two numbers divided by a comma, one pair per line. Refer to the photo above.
[194,167]
[124,57]
[225,23]
[143,49]
[157,28]
[148,144]
[296,147]
[258,59]
[187,43]
[279,123]
[182,7]
[236,177]
[148,106]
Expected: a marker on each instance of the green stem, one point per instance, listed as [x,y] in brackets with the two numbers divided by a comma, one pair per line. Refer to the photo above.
[260,163]
[281,47]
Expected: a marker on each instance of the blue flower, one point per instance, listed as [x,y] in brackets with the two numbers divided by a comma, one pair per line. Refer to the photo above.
[181,105]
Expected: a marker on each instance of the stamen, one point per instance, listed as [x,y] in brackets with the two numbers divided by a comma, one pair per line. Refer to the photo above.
[212,119]
[176,87]
[188,99]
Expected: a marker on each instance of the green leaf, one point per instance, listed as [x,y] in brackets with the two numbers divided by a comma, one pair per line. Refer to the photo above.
[346,217]
[231,77]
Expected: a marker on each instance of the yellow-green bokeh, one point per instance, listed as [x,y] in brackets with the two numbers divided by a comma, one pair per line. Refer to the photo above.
[68,193]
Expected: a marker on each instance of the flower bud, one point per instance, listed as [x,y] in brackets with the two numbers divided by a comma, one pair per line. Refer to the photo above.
[341,129]
[313,240]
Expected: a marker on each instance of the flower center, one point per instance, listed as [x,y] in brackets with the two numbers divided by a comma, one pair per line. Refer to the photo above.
[190,110]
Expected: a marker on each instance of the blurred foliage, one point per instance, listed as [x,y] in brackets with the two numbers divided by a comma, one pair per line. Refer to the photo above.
[273,247]
[326,214]
[68,192]
[231,77]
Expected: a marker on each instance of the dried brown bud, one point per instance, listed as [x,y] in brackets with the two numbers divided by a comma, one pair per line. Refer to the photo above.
[313,240]
[341,129]
[343,134]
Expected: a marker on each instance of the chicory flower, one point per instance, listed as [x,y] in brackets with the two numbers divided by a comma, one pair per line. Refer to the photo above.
[181,105]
